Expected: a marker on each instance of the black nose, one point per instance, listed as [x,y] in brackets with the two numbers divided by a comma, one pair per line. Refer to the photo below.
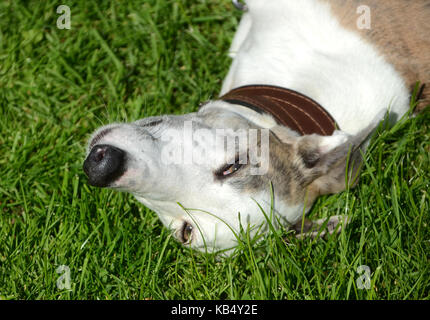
[104,165]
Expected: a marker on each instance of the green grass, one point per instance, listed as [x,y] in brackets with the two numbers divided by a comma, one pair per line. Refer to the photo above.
[124,60]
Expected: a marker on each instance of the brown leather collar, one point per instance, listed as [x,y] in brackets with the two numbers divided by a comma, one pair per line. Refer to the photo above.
[290,108]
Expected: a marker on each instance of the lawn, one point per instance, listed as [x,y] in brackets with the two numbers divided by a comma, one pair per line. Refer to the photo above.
[123,60]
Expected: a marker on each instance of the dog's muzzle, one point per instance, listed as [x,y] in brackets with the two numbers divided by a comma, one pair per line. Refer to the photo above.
[104,165]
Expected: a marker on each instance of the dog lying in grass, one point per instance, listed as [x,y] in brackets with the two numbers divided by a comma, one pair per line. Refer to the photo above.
[307,86]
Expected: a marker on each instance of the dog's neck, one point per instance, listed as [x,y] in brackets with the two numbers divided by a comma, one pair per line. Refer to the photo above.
[289,108]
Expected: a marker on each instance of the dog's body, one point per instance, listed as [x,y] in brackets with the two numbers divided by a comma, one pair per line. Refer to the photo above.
[308,46]
[354,73]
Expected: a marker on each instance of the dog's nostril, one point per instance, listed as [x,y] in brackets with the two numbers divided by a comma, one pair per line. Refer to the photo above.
[100,153]
[104,165]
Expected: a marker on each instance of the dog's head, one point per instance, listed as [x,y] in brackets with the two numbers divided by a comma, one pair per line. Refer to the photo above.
[207,174]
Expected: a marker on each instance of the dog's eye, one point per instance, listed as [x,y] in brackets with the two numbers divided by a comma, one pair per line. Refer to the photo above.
[229,169]
[186,232]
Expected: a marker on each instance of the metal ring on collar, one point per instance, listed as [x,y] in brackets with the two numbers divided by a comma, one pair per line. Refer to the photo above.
[239,5]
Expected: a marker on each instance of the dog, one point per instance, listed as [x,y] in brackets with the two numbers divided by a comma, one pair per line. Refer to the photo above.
[309,82]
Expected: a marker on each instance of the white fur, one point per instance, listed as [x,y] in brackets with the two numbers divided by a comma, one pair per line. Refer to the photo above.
[300,45]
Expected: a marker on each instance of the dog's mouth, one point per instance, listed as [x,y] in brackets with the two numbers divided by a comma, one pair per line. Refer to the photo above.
[185,233]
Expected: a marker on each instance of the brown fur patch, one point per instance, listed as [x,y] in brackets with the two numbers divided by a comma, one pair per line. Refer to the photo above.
[285,174]
[400,29]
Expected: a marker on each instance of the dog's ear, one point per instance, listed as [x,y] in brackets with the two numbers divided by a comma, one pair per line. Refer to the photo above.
[331,163]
